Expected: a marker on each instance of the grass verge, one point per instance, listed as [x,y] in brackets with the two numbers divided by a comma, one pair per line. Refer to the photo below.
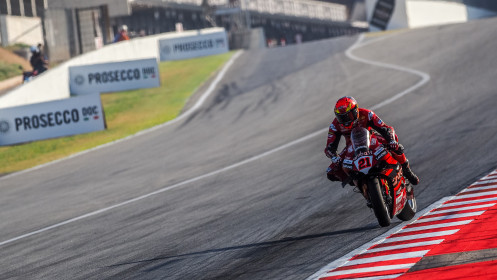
[8,70]
[126,113]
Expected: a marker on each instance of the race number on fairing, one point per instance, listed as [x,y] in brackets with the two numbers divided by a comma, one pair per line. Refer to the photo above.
[363,163]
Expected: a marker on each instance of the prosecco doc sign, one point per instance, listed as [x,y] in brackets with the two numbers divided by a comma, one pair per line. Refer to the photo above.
[51,119]
[114,76]
[193,46]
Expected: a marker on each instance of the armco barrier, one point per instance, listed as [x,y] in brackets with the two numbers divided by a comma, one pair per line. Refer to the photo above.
[54,84]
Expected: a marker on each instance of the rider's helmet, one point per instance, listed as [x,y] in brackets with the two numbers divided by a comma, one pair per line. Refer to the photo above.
[34,49]
[346,111]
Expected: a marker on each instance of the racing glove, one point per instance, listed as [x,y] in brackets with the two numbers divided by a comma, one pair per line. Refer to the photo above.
[393,145]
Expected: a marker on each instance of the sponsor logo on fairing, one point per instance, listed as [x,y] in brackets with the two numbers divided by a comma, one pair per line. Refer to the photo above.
[380,153]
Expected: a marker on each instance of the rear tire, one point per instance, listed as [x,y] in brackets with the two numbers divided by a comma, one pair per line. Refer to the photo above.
[410,208]
[380,208]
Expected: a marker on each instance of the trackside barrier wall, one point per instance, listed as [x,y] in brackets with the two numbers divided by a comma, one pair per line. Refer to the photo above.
[17,29]
[54,84]
[398,14]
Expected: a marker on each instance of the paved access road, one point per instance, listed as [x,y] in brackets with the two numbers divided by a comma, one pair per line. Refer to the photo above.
[275,217]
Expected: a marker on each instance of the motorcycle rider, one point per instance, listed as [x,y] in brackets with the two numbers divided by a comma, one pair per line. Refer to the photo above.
[349,115]
[37,61]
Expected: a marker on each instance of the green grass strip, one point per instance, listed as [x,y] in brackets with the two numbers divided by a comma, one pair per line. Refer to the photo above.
[126,113]
[9,70]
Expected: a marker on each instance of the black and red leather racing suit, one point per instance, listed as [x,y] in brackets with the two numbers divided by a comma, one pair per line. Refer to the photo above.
[367,119]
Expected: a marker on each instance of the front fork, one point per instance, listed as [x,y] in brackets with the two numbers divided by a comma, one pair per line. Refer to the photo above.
[384,183]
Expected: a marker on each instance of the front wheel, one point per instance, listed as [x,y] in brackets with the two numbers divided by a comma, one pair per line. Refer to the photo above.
[380,208]
[411,206]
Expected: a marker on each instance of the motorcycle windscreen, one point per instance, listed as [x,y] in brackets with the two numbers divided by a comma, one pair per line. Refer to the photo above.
[360,139]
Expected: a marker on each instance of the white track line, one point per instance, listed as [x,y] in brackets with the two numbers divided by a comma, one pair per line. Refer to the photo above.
[424,79]
[190,111]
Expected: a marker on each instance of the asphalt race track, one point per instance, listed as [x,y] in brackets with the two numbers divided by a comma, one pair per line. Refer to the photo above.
[274,217]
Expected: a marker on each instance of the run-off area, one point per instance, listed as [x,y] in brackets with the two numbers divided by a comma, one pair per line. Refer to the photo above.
[457,239]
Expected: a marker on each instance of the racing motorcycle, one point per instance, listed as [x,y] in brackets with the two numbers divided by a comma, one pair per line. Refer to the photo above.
[378,176]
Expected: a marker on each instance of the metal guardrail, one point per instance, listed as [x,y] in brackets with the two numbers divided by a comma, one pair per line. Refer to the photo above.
[297,8]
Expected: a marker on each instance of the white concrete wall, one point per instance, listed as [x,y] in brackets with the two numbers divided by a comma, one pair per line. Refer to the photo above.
[54,84]
[421,13]
[16,29]
[116,7]
[427,13]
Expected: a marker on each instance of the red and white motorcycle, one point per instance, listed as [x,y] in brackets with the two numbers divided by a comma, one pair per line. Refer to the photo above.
[379,177]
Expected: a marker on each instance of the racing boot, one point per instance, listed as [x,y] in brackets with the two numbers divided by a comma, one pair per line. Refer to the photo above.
[409,174]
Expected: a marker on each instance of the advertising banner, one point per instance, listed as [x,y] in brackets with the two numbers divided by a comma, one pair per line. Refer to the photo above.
[114,76]
[193,46]
[51,119]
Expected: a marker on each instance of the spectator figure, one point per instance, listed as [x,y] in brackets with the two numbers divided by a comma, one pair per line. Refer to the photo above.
[122,35]
[37,61]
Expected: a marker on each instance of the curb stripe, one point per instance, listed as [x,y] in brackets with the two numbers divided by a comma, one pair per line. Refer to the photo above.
[370,269]
[380,263]
[474,207]
[379,277]
[405,246]
[477,194]
[436,226]
[466,202]
[479,188]
[485,182]
[424,235]
[409,255]
[448,217]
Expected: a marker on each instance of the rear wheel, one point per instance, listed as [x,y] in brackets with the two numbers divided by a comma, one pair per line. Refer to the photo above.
[411,206]
[380,208]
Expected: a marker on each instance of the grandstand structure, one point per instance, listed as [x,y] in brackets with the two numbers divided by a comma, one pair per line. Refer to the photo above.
[74,27]
[286,21]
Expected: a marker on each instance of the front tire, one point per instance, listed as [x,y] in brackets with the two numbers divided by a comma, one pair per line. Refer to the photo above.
[410,208]
[380,208]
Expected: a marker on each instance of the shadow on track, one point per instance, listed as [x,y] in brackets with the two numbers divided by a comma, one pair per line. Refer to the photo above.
[369,227]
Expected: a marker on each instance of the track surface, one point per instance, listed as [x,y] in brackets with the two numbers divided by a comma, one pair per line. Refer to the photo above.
[274,218]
